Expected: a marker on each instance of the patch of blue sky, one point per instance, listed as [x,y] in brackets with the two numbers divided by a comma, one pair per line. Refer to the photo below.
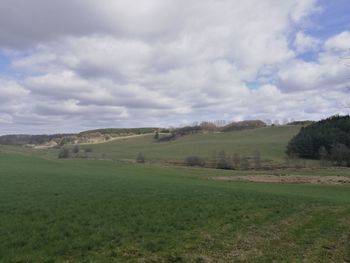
[310,56]
[253,84]
[4,63]
[332,20]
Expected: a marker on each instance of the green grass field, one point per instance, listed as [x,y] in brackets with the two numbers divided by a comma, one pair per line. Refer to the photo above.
[105,211]
[270,141]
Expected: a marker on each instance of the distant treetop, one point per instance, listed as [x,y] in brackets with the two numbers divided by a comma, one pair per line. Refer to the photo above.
[304,123]
[243,125]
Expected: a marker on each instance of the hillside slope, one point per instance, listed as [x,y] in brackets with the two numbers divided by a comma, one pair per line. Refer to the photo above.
[270,141]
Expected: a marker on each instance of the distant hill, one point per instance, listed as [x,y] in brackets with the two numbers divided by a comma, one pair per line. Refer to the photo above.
[90,136]
[103,135]
[23,139]
[177,133]
[206,127]
[121,131]
[270,141]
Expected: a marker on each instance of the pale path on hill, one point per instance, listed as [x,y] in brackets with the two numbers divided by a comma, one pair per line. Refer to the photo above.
[96,142]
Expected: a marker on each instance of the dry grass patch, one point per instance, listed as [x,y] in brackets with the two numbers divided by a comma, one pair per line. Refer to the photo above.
[288,179]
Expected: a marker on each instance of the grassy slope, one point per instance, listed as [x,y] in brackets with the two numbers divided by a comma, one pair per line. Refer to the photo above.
[270,141]
[100,211]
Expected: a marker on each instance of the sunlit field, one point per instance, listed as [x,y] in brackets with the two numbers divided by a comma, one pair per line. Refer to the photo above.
[104,211]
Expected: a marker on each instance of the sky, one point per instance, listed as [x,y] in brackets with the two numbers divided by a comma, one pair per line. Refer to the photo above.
[73,65]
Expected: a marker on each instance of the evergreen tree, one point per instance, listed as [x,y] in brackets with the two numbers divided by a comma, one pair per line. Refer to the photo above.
[326,133]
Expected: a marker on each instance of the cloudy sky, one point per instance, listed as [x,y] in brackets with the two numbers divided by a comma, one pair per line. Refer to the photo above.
[71,65]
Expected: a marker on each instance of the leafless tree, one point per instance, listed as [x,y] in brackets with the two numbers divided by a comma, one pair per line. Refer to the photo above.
[140,158]
[236,161]
[324,156]
[257,159]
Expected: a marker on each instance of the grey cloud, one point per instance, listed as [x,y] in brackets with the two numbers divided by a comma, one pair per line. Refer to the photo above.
[27,23]
[106,63]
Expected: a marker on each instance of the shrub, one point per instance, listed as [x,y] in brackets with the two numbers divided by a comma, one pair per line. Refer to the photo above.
[140,158]
[76,149]
[236,161]
[340,154]
[223,161]
[88,150]
[245,163]
[194,161]
[324,156]
[257,159]
[64,153]
[156,135]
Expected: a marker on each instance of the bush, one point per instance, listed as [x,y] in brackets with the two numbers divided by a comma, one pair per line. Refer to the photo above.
[257,159]
[140,158]
[194,161]
[88,150]
[236,161]
[223,162]
[156,135]
[245,163]
[340,154]
[64,153]
[76,149]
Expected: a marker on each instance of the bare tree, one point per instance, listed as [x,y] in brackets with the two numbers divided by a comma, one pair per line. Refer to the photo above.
[257,159]
[324,156]
[214,159]
[340,154]
[223,162]
[236,161]
[244,163]
[140,158]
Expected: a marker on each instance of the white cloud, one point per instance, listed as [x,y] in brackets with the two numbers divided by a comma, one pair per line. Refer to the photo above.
[303,9]
[329,72]
[10,90]
[161,62]
[304,43]
[339,42]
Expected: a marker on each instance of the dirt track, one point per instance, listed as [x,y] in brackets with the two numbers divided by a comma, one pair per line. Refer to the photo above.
[115,139]
[288,179]
[97,141]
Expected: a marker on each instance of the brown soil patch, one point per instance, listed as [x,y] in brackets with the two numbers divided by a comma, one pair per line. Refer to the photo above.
[288,179]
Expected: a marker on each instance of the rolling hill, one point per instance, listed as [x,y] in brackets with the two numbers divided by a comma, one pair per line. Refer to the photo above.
[270,141]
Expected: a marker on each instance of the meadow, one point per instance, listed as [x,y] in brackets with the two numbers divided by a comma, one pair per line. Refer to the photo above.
[270,141]
[110,211]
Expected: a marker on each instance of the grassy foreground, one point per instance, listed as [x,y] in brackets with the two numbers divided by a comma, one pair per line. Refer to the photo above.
[101,211]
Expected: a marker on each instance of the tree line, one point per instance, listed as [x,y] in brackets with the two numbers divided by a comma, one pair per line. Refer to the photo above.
[222,160]
[327,140]
[75,152]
